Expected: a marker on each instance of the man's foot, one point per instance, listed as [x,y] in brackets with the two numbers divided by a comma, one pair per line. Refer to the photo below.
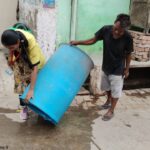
[109,115]
[24,113]
[105,106]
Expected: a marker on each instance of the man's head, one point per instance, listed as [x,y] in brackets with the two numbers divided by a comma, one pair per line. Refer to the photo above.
[10,39]
[121,23]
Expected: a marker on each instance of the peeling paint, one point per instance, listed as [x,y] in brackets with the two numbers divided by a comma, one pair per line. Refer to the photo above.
[46,30]
[42,21]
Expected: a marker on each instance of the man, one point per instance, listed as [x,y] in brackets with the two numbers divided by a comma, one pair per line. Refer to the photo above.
[117,48]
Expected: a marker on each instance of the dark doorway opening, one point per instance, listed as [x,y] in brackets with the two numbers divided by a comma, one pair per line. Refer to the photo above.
[138,78]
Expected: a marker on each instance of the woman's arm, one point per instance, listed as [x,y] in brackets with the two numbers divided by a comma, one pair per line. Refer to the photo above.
[30,93]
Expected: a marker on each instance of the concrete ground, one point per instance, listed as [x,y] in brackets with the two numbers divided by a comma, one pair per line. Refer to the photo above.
[81,128]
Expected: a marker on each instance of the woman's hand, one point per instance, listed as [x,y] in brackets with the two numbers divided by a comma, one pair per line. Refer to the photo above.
[29,96]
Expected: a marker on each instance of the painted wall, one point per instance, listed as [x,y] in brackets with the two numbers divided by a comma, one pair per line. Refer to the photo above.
[63,21]
[40,15]
[92,15]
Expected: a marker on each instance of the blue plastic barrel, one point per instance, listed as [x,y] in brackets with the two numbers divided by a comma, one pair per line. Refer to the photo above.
[59,81]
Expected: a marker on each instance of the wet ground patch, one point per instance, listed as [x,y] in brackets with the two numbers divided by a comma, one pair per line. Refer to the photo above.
[74,132]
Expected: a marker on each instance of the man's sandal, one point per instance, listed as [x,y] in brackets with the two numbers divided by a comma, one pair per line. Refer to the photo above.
[107,117]
[105,106]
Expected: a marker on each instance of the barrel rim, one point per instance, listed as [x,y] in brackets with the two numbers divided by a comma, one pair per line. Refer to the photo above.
[42,113]
[63,44]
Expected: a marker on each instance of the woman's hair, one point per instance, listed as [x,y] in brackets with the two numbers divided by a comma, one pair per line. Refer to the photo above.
[9,37]
[124,20]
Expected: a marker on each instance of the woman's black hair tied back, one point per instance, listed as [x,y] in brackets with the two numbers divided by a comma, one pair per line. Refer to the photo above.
[9,37]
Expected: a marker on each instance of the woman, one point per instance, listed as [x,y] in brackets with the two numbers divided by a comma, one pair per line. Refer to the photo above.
[26,59]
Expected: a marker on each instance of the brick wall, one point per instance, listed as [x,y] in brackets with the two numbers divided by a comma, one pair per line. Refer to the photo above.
[141,46]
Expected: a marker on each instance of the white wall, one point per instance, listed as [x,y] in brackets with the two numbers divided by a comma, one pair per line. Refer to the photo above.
[7,14]
[46,31]
[43,23]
